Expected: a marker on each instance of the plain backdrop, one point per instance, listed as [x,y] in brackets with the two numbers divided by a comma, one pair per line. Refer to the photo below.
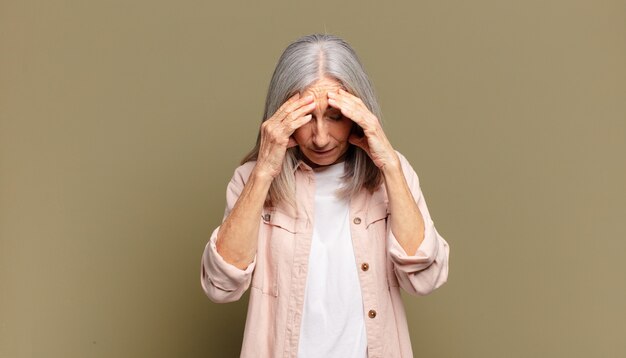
[121,123]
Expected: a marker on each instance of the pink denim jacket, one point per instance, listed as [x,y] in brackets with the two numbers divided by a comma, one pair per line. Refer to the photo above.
[279,270]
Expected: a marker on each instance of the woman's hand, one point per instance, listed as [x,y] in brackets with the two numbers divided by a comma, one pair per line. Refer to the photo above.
[277,130]
[374,142]
[237,239]
[406,220]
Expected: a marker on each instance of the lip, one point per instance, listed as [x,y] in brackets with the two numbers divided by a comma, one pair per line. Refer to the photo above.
[324,152]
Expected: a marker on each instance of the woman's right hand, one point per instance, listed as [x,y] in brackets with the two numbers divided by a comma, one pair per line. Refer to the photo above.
[276,133]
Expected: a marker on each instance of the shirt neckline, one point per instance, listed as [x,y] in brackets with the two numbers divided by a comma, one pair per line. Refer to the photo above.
[330,170]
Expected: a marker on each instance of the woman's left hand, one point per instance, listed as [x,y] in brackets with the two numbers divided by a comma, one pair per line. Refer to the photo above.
[374,142]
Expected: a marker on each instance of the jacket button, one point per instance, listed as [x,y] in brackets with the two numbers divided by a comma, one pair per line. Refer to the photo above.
[267,217]
[365,266]
[357,220]
[371,313]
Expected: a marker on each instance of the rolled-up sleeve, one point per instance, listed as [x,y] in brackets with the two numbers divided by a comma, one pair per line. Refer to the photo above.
[427,269]
[221,281]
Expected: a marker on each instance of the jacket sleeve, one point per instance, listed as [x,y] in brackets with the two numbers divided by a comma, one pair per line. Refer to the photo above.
[221,281]
[427,269]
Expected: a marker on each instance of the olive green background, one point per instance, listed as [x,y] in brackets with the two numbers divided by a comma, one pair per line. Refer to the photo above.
[121,123]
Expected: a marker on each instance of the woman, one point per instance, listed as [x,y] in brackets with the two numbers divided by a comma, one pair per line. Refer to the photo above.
[324,219]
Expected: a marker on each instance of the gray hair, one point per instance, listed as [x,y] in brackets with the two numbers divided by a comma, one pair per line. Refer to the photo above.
[303,62]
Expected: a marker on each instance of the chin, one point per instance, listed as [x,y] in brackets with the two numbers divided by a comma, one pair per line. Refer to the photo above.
[317,161]
[324,162]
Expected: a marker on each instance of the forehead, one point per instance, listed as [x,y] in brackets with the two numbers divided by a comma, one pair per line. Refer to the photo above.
[323,86]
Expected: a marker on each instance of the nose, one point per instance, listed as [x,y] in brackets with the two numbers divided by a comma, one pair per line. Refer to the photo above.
[321,137]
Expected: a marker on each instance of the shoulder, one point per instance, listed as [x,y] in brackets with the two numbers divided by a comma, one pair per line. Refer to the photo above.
[242,172]
[241,175]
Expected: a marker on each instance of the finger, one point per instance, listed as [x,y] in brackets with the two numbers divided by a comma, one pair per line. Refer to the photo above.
[291,105]
[342,96]
[293,125]
[294,97]
[353,108]
[283,107]
[335,102]
[339,101]
[349,96]
[299,112]
[346,109]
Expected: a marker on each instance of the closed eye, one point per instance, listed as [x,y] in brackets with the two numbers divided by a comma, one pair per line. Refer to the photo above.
[336,116]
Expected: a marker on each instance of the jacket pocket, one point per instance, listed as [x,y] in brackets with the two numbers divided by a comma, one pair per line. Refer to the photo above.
[376,224]
[276,229]
[376,213]
[278,219]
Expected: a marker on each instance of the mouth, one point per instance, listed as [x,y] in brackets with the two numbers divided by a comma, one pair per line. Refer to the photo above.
[323,152]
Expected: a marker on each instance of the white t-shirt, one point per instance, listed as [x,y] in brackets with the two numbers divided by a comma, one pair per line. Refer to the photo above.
[332,319]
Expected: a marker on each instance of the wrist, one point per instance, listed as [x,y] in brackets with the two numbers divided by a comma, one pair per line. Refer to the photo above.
[260,175]
[392,166]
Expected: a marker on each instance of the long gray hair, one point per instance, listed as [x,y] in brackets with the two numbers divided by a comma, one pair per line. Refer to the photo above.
[303,62]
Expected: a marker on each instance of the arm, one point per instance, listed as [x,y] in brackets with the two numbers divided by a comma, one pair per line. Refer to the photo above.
[241,227]
[229,256]
[420,255]
[407,223]
[221,280]
[237,239]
